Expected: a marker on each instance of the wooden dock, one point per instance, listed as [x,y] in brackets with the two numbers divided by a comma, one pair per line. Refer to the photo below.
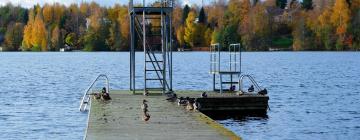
[121,118]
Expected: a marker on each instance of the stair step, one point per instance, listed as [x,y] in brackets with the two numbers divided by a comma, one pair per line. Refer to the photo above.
[154,79]
[230,82]
[154,61]
[153,70]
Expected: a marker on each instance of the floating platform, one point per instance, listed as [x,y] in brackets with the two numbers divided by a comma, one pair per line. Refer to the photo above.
[121,118]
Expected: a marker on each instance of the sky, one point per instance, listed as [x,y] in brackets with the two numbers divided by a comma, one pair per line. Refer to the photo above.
[30,3]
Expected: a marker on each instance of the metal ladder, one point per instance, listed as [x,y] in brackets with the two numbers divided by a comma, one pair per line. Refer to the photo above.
[241,81]
[154,60]
[86,99]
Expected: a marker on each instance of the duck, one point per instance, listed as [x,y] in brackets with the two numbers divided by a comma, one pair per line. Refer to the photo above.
[172,98]
[190,104]
[146,93]
[204,95]
[146,116]
[232,88]
[144,106]
[181,101]
[263,92]
[251,88]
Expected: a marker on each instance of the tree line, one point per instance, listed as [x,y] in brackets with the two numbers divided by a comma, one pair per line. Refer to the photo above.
[257,25]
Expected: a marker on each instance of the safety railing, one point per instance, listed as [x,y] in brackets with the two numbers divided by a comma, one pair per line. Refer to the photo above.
[241,81]
[86,99]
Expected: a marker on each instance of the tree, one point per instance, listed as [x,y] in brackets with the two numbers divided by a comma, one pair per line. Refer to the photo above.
[340,19]
[14,37]
[180,36]
[324,31]
[185,13]
[190,29]
[307,4]
[114,40]
[202,16]
[28,29]
[281,3]
[56,39]
[39,33]
[124,20]
[48,13]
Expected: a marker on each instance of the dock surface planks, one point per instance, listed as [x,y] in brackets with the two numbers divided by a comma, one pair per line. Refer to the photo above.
[121,118]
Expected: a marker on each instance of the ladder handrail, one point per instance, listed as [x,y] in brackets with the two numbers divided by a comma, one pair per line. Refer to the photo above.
[251,79]
[86,98]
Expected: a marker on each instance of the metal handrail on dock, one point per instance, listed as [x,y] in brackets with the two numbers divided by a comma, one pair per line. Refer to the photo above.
[241,79]
[85,102]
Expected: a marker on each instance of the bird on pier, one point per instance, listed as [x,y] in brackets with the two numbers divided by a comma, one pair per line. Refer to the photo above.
[146,116]
[204,95]
[144,106]
[146,93]
[181,101]
[251,88]
[172,98]
[263,92]
[190,104]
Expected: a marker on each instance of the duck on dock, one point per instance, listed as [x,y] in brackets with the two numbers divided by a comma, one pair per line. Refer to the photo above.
[144,107]
[204,95]
[172,97]
[251,88]
[146,93]
[181,101]
[104,95]
[263,92]
[190,104]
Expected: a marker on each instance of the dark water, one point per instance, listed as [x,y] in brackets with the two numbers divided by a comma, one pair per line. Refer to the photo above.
[313,95]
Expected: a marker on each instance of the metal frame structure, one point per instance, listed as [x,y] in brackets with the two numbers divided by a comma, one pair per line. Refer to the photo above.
[86,99]
[233,68]
[156,42]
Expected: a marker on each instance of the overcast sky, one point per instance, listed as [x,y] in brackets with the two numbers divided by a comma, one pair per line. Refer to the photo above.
[30,3]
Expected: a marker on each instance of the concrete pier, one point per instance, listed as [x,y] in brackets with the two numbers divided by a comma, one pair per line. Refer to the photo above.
[121,118]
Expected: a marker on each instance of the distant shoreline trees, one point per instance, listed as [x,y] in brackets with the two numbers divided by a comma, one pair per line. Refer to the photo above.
[257,25]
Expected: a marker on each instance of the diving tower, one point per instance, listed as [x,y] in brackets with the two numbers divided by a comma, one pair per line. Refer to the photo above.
[150,31]
[225,65]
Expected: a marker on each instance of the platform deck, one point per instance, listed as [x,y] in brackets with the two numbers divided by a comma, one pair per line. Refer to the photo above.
[121,118]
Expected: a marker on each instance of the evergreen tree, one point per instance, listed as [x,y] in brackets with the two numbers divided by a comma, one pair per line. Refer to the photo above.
[307,4]
[202,16]
[281,3]
[185,13]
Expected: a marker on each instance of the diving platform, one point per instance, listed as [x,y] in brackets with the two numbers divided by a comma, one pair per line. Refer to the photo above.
[121,119]
[151,10]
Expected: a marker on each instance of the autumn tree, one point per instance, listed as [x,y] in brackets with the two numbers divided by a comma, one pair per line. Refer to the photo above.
[39,33]
[56,39]
[14,37]
[124,21]
[180,33]
[325,29]
[340,19]
[190,29]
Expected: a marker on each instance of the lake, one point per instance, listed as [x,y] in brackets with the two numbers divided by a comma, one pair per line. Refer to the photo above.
[313,95]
